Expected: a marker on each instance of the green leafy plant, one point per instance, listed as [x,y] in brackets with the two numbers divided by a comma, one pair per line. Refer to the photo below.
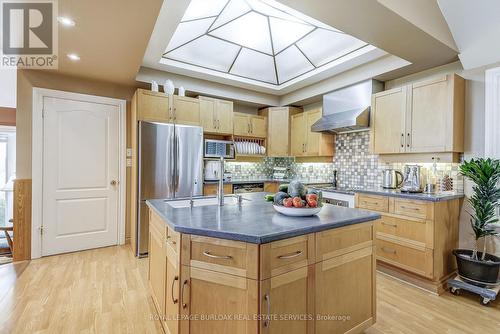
[485,173]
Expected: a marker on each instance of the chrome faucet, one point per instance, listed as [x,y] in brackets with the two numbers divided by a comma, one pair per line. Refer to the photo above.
[220,191]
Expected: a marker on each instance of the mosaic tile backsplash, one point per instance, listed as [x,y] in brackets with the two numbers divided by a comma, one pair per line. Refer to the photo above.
[355,166]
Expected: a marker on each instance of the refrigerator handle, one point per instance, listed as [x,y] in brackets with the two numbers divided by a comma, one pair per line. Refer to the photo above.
[176,182]
[171,185]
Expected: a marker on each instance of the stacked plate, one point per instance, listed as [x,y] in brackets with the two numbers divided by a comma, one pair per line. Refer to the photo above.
[247,147]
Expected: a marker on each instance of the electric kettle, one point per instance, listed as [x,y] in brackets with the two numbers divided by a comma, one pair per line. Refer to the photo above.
[390,179]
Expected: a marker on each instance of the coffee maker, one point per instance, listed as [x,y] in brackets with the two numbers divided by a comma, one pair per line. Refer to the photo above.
[412,179]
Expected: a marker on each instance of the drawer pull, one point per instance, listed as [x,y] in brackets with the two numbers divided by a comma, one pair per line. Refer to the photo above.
[388,250]
[174,300]
[290,255]
[223,257]
[389,224]
[409,208]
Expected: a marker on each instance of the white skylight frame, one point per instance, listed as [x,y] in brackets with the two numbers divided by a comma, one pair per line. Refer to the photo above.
[275,14]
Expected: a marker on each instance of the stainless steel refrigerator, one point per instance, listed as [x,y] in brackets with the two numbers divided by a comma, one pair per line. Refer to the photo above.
[170,166]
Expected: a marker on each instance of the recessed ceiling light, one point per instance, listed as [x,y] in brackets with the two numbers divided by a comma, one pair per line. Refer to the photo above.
[73,56]
[66,21]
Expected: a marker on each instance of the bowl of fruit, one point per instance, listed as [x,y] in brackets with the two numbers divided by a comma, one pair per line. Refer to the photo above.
[296,200]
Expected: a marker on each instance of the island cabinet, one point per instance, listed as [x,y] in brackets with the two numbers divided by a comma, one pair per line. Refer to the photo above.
[248,125]
[305,142]
[423,117]
[216,115]
[320,283]
[160,107]
[415,238]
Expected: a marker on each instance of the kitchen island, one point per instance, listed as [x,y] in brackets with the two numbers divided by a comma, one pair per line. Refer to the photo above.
[244,268]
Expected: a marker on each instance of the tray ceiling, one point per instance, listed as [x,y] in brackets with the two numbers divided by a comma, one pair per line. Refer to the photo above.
[258,41]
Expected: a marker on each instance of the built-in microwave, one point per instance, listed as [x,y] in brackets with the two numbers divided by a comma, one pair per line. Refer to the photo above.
[219,148]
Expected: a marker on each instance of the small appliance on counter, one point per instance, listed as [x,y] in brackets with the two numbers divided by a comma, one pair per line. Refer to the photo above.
[212,171]
[412,179]
[390,179]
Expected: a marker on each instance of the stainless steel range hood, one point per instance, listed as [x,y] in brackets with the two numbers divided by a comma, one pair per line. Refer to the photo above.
[348,109]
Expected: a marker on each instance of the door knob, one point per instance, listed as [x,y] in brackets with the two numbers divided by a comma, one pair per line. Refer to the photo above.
[114,182]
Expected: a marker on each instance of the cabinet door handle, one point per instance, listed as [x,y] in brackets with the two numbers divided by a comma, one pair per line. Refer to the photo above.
[267,320]
[218,124]
[389,224]
[184,305]
[402,140]
[174,300]
[223,257]
[409,141]
[171,241]
[290,255]
[388,250]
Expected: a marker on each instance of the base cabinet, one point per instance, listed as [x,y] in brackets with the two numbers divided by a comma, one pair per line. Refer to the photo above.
[278,313]
[344,299]
[321,283]
[218,302]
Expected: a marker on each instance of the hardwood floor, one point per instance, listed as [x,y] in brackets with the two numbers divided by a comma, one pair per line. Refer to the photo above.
[97,291]
[105,291]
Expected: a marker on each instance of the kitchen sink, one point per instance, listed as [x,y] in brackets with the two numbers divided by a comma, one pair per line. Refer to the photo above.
[204,201]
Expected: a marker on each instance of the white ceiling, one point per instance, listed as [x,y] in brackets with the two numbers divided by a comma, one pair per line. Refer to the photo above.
[475,26]
[260,45]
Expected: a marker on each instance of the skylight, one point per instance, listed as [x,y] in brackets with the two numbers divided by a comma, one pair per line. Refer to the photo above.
[260,41]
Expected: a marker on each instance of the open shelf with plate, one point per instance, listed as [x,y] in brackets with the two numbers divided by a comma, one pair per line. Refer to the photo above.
[247,146]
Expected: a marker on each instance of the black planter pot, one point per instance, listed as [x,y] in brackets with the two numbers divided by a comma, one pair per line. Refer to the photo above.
[481,273]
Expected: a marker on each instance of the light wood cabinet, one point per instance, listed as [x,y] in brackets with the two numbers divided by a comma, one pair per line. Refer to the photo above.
[278,130]
[172,290]
[216,115]
[423,117]
[157,262]
[153,106]
[305,142]
[186,110]
[214,296]
[247,125]
[210,189]
[271,187]
[388,121]
[349,280]
[205,285]
[415,238]
[276,296]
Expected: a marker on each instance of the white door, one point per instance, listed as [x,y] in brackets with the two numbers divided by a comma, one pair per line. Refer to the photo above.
[80,175]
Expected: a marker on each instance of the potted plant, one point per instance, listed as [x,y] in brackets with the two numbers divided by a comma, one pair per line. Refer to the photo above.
[476,267]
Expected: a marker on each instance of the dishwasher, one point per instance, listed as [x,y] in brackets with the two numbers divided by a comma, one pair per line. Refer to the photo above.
[243,188]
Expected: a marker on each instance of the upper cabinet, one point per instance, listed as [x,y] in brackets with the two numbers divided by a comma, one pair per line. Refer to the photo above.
[306,143]
[216,115]
[278,130]
[186,110]
[153,106]
[250,125]
[424,117]
[159,107]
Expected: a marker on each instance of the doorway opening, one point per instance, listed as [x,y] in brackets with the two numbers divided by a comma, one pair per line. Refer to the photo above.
[7,176]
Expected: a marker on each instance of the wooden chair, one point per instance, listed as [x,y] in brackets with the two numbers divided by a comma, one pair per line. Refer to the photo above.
[8,230]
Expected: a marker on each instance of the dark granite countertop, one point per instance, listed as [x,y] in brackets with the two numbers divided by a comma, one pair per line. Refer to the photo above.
[255,221]
[437,197]
[257,180]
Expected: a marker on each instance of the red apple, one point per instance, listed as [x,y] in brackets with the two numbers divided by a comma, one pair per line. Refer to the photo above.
[288,202]
[297,202]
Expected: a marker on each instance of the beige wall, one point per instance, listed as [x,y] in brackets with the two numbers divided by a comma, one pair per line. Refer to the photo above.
[27,80]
